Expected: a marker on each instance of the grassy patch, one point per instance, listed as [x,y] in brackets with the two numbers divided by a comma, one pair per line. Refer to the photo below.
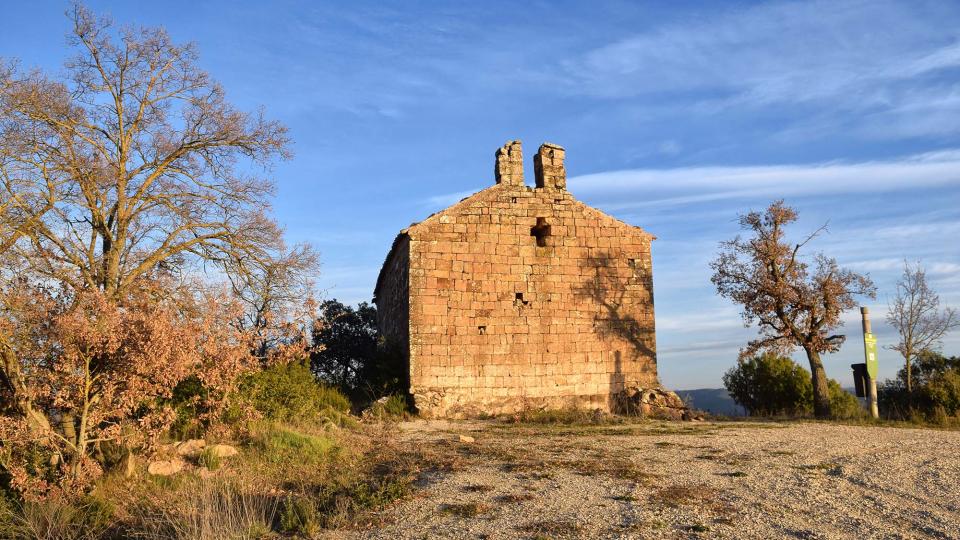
[624,498]
[209,459]
[566,416]
[734,474]
[477,488]
[677,496]
[465,510]
[281,445]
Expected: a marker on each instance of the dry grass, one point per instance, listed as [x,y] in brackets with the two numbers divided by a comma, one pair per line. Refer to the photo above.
[465,510]
[207,511]
[676,496]
[55,519]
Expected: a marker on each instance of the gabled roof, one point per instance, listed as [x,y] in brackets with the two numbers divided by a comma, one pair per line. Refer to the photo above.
[466,202]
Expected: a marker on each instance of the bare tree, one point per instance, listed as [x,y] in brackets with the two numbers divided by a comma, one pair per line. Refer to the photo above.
[133,162]
[915,314]
[277,295]
[792,306]
[122,185]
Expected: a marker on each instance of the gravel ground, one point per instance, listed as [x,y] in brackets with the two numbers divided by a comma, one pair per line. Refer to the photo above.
[678,480]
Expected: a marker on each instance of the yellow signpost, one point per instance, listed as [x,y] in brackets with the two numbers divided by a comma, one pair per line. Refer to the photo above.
[870,354]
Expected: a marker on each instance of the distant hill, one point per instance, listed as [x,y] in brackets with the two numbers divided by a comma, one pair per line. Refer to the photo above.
[712,400]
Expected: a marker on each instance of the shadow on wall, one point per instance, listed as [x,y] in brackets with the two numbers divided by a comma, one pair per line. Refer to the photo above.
[609,289]
[610,286]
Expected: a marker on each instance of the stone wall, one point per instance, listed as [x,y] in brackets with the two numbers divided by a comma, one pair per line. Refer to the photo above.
[392,295]
[524,297]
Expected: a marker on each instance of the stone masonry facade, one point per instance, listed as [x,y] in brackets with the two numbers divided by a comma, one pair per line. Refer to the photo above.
[521,297]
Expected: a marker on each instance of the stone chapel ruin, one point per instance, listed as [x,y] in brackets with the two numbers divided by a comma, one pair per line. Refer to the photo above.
[522,297]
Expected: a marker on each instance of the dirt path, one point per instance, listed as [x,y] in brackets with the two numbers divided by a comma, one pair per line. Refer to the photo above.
[676,480]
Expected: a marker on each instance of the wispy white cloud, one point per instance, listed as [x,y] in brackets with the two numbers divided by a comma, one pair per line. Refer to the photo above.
[637,188]
[775,52]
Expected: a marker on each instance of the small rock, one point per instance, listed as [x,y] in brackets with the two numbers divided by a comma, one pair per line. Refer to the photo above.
[191,448]
[165,468]
[222,450]
[467,439]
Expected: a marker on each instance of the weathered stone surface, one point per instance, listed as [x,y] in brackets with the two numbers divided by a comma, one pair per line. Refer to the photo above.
[518,298]
[467,439]
[191,448]
[655,402]
[222,450]
[509,164]
[166,467]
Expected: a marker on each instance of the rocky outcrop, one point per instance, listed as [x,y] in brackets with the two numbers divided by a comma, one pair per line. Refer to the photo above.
[654,403]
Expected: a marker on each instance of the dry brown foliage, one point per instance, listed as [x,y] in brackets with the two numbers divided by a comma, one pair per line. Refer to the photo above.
[793,304]
[127,187]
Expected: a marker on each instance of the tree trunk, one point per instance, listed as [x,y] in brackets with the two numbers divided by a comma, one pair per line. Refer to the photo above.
[909,378]
[821,391]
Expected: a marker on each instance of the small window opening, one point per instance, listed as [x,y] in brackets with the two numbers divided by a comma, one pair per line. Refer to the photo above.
[513,199]
[519,301]
[482,330]
[541,231]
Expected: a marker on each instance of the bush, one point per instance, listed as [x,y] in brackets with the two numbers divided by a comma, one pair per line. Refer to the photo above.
[770,385]
[291,393]
[936,391]
[843,404]
[943,392]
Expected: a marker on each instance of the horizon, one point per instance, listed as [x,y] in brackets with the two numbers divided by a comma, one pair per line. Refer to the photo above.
[396,113]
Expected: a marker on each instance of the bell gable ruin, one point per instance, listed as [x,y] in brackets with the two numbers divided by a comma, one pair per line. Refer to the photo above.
[521,297]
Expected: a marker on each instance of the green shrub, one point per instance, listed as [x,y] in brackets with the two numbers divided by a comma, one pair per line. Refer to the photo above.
[843,404]
[187,401]
[291,393]
[299,516]
[770,385]
[936,391]
[943,392]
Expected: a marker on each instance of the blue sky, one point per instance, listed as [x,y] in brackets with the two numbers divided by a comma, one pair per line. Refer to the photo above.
[676,116]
